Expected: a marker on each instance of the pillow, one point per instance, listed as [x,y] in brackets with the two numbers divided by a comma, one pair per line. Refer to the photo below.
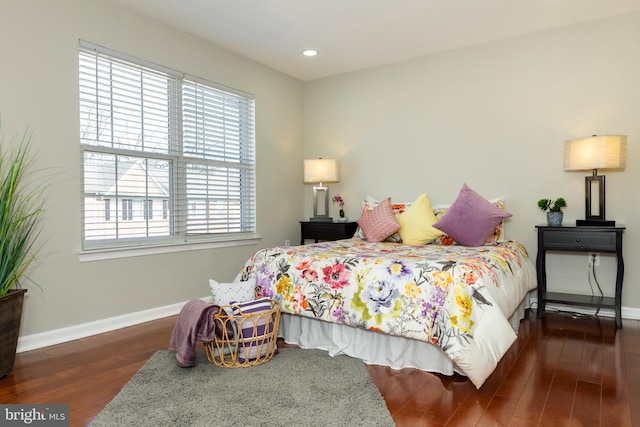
[250,342]
[369,204]
[416,222]
[372,202]
[496,235]
[471,219]
[226,293]
[380,223]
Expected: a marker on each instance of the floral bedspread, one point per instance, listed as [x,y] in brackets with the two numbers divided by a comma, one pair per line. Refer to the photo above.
[456,297]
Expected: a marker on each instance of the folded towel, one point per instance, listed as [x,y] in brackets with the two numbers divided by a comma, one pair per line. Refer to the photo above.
[195,323]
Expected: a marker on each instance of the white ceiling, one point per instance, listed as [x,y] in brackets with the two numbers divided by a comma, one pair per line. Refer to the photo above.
[356,34]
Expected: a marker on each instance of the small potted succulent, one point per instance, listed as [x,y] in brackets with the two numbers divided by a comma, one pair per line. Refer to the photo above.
[553,209]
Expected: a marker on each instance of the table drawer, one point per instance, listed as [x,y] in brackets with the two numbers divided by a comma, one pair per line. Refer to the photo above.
[327,230]
[580,240]
[320,232]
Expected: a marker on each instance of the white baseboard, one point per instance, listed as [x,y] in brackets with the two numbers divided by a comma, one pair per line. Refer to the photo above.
[58,336]
[630,313]
[626,312]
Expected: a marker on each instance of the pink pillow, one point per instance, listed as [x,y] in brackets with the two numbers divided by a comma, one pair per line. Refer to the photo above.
[369,204]
[379,223]
[471,218]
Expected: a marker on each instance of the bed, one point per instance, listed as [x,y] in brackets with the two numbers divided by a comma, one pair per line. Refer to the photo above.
[437,289]
[458,300]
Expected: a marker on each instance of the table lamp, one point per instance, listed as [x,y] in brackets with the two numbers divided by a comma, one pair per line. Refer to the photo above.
[593,153]
[321,171]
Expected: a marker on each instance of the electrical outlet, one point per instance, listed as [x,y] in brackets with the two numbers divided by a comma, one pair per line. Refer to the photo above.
[287,242]
[595,258]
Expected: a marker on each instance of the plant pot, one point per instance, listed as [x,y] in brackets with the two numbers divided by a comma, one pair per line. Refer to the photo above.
[554,219]
[10,315]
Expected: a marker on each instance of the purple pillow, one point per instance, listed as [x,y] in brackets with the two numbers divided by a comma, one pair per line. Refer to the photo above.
[255,333]
[471,218]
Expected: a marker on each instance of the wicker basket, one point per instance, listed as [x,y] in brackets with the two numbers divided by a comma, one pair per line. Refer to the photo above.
[249,349]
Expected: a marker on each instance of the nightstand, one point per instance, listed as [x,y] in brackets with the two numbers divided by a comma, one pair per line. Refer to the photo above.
[326,230]
[579,239]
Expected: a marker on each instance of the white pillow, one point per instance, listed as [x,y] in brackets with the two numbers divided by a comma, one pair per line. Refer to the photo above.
[226,293]
[235,292]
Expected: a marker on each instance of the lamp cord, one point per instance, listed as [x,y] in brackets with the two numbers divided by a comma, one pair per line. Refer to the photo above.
[592,271]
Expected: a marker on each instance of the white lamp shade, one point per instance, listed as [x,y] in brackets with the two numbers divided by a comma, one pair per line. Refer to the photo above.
[596,152]
[321,170]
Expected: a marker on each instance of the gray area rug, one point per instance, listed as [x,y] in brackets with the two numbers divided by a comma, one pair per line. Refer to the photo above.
[295,388]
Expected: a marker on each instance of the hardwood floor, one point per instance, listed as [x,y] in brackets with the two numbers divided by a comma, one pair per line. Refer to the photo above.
[561,371]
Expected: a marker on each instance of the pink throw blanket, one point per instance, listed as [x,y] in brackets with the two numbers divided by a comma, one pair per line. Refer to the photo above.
[195,323]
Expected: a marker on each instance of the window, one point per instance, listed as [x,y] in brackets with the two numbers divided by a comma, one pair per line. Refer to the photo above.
[107,209]
[150,133]
[127,209]
[165,209]
[148,209]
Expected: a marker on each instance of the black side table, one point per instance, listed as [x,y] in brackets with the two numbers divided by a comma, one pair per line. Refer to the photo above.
[317,230]
[579,239]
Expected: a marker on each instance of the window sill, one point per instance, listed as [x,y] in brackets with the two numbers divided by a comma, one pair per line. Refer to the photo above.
[105,254]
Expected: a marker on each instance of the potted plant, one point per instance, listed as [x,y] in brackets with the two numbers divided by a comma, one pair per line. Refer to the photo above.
[21,205]
[340,201]
[554,208]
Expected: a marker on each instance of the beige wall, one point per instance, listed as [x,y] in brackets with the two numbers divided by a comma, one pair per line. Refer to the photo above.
[496,117]
[39,89]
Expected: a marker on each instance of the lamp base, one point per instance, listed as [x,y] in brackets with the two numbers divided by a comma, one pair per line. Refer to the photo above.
[321,219]
[595,223]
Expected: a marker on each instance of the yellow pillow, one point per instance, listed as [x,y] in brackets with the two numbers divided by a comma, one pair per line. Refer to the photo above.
[416,222]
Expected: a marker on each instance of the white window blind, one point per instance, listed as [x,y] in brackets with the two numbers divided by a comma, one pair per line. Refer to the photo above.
[171,157]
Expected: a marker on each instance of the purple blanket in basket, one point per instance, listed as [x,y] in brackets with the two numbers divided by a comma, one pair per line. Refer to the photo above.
[195,323]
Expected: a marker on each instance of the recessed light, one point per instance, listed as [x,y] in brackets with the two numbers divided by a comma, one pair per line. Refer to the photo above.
[309,52]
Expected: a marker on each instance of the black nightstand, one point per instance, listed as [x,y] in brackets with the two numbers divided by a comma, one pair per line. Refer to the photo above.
[326,230]
[579,239]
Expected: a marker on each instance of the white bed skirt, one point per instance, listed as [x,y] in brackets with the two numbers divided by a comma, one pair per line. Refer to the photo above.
[372,347]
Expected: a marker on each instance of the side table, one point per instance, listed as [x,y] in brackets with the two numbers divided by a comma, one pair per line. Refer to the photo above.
[579,239]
